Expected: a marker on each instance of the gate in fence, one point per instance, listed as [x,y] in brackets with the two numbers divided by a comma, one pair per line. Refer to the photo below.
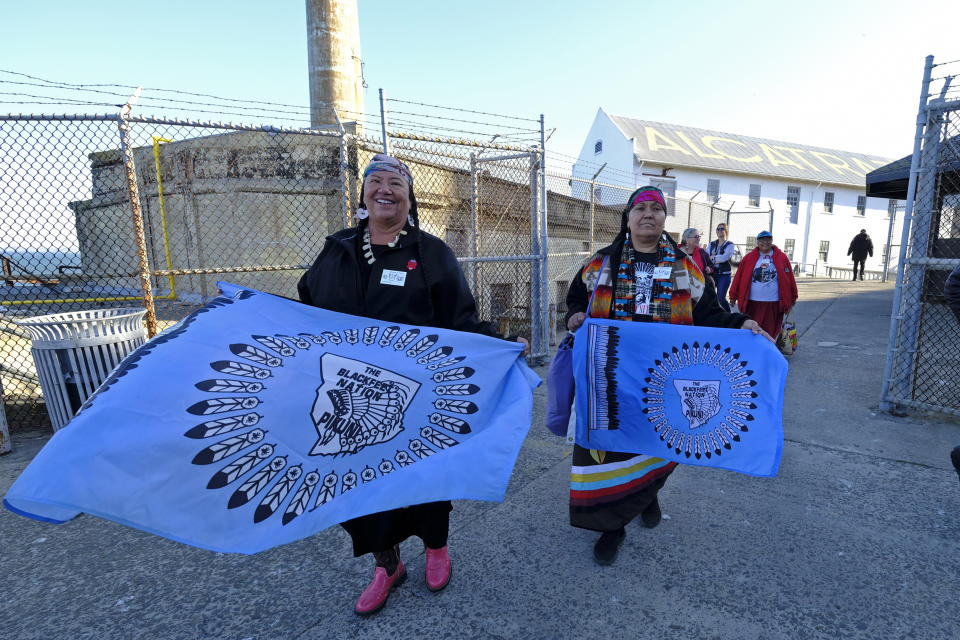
[921,369]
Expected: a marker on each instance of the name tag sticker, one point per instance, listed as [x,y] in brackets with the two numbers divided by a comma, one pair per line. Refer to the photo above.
[393,278]
[662,273]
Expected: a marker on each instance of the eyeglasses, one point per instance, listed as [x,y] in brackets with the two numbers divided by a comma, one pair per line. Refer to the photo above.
[721,228]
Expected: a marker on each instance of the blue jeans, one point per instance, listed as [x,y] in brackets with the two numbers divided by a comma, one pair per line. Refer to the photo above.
[723,283]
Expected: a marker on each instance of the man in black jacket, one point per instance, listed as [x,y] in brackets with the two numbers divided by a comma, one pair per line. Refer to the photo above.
[860,246]
[952,292]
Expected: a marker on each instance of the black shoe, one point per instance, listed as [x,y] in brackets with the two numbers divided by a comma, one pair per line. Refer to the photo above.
[955,459]
[605,550]
[651,515]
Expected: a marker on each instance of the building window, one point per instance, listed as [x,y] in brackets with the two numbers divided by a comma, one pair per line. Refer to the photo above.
[793,203]
[862,205]
[754,199]
[824,250]
[891,208]
[788,245]
[457,241]
[669,189]
[501,299]
[598,147]
[713,191]
[751,242]
[828,201]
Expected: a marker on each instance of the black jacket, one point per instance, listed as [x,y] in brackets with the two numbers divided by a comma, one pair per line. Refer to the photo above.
[952,291]
[706,313]
[434,292]
[860,246]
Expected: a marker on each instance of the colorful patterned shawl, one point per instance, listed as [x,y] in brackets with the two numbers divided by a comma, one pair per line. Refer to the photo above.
[671,300]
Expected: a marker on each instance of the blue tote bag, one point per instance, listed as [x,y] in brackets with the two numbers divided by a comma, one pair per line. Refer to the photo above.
[560,387]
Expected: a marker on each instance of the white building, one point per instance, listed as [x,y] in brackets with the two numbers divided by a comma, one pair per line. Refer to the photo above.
[812,199]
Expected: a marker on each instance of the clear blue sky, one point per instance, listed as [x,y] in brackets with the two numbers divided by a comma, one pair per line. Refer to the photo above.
[833,73]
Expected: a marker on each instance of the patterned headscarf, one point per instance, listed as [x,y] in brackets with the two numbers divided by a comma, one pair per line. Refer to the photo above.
[643,194]
[383,162]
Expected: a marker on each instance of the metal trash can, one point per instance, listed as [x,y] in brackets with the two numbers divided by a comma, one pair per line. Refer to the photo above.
[75,352]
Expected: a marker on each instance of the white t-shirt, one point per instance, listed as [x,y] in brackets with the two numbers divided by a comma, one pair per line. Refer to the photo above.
[763,283]
[644,283]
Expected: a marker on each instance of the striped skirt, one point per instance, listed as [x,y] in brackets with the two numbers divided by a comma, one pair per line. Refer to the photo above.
[608,489]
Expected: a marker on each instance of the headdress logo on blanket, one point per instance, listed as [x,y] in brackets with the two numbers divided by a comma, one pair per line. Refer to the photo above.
[290,423]
[687,394]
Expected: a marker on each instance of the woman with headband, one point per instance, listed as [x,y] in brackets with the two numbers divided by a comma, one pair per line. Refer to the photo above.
[635,279]
[389,269]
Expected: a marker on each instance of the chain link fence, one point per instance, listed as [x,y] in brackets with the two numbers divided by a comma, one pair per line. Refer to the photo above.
[110,211]
[922,367]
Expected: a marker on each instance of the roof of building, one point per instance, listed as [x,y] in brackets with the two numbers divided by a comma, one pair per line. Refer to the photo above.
[892,180]
[680,146]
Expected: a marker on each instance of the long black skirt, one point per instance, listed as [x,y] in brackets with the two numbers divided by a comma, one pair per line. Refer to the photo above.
[381,531]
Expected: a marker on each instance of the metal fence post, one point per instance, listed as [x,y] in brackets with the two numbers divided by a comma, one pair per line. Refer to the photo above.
[472,228]
[893,349]
[536,344]
[543,320]
[5,445]
[133,191]
[383,122]
[592,211]
[886,254]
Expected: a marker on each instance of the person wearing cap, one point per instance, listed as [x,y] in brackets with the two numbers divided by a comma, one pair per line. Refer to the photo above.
[643,276]
[387,268]
[764,286]
[860,246]
[721,251]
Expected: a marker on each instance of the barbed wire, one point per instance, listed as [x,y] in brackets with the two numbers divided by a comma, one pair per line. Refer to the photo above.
[483,113]
[172,100]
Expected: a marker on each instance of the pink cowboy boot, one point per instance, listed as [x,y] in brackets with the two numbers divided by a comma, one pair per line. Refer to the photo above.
[375,595]
[438,568]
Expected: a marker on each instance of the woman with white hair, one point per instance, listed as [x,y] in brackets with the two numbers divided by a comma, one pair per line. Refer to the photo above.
[690,243]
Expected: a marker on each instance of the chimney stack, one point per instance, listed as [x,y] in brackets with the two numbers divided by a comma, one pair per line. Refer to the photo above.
[333,58]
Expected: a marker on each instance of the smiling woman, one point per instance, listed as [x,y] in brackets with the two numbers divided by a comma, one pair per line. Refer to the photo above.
[643,276]
[389,269]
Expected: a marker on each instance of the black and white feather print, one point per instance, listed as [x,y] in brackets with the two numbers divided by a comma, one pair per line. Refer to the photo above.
[259,472]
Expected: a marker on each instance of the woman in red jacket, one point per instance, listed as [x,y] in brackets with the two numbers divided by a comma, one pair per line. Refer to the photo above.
[764,287]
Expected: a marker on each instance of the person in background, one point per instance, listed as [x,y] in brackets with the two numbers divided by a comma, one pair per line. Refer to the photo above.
[764,287]
[952,292]
[860,247]
[690,243]
[389,269]
[608,489]
[721,251]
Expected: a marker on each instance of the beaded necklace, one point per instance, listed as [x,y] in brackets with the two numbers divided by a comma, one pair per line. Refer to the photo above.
[368,250]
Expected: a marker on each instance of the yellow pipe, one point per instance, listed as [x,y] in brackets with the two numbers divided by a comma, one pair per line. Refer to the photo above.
[163,211]
[166,297]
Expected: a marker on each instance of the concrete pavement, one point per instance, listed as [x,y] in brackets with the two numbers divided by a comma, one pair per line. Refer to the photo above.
[857,537]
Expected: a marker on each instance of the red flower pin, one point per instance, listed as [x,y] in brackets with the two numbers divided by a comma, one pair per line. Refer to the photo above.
[411,265]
